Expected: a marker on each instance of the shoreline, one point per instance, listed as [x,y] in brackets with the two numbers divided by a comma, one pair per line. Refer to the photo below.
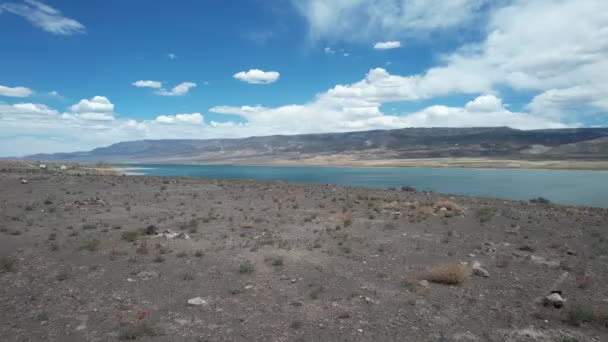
[466,163]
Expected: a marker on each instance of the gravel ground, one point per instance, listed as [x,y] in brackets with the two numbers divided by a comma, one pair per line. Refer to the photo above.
[102,257]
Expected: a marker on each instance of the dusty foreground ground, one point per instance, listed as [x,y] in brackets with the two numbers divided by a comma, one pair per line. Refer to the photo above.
[81,259]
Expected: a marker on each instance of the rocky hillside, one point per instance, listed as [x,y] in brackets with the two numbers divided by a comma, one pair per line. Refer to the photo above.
[495,142]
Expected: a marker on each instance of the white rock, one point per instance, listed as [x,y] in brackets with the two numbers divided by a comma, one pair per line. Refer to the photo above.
[478,271]
[554,299]
[169,234]
[542,261]
[182,321]
[198,301]
[24,181]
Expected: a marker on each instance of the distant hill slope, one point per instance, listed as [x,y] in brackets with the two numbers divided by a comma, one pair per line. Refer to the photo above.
[496,142]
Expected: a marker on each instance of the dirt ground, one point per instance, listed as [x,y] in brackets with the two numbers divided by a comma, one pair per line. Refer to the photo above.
[83,258]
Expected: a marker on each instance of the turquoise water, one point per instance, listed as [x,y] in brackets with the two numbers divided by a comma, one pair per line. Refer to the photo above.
[565,187]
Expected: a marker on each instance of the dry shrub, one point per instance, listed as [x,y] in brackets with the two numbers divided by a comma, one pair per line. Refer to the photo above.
[583,280]
[450,273]
[424,210]
[449,205]
[347,220]
[143,248]
[7,264]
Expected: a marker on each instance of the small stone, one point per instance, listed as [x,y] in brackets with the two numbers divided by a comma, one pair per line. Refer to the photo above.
[147,275]
[423,283]
[198,301]
[344,315]
[151,230]
[478,271]
[554,299]
[183,236]
[24,181]
[182,321]
[542,261]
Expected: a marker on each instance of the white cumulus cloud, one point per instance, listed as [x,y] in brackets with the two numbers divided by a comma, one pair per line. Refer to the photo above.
[523,47]
[194,118]
[387,45]
[15,91]
[44,16]
[179,90]
[256,76]
[98,104]
[147,84]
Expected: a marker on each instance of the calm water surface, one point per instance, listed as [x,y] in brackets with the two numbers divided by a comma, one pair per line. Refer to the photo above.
[566,187]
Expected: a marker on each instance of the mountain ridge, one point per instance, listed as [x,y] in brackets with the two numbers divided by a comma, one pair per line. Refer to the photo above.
[406,143]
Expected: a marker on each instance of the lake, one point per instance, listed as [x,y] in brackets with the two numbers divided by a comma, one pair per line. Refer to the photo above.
[560,186]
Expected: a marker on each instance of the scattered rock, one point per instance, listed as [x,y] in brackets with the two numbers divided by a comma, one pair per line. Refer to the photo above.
[169,234]
[424,283]
[151,230]
[182,236]
[555,299]
[24,181]
[90,201]
[478,271]
[147,275]
[198,301]
[514,230]
[182,321]
[368,300]
[542,261]
[343,315]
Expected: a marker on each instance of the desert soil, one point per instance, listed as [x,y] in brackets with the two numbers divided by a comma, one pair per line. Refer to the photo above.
[83,257]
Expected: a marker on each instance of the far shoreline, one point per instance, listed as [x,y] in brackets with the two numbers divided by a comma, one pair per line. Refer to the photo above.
[464,163]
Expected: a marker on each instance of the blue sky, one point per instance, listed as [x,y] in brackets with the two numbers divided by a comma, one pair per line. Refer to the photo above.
[69,69]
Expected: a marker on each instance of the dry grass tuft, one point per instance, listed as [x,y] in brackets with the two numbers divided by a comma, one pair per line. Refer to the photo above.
[347,220]
[449,205]
[424,210]
[7,264]
[453,273]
